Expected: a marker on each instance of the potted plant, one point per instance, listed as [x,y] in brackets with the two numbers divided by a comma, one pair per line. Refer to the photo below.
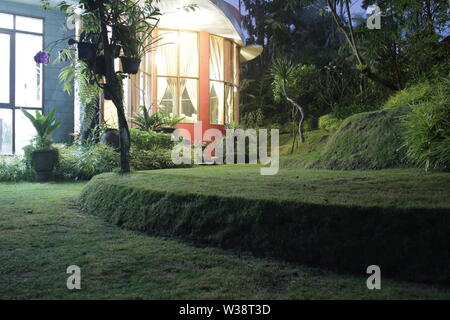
[43,157]
[134,34]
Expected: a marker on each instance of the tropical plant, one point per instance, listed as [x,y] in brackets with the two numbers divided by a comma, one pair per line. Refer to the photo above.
[82,162]
[146,122]
[44,126]
[427,131]
[298,84]
[100,17]
[134,26]
[88,91]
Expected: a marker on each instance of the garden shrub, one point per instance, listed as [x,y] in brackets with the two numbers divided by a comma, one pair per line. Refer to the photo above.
[427,135]
[152,159]
[150,140]
[329,123]
[13,169]
[82,162]
[412,96]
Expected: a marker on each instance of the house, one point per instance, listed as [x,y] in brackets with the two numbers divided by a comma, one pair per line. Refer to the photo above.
[193,72]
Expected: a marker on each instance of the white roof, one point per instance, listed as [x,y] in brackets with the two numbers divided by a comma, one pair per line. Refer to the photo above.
[213,16]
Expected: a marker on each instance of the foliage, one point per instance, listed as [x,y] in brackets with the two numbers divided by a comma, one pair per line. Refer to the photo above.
[415,95]
[134,25]
[88,91]
[146,122]
[44,126]
[13,169]
[427,134]
[150,140]
[354,217]
[153,159]
[366,141]
[82,162]
[329,123]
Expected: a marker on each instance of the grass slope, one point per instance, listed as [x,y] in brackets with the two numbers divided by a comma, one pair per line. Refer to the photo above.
[364,141]
[36,249]
[398,219]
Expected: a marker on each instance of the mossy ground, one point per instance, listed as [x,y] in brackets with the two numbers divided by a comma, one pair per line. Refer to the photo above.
[36,249]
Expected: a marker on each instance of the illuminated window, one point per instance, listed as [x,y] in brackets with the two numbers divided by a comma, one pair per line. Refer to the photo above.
[178,74]
[20,79]
[224,80]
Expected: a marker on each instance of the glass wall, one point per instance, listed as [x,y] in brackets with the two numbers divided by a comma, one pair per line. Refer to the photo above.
[224,80]
[20,79]
[178,74]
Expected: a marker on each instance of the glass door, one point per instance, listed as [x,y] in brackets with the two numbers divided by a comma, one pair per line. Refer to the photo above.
[6,97]
[21,79]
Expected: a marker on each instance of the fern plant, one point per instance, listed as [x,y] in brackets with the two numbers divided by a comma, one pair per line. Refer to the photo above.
[146,122]
[44,126]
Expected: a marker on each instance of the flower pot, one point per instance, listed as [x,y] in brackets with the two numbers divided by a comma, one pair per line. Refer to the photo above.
[43,162]
[130,65]
[86,51]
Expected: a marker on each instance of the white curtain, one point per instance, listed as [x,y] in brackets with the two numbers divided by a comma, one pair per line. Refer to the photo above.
[217,73]
[189,67]
[167,65]
[217,113]
[216,61]
[229,104]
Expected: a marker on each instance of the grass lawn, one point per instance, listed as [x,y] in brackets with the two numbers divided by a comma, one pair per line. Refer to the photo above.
[36,248]
[401,188]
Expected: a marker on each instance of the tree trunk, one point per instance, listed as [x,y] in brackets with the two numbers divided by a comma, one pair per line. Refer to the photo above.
[114,88]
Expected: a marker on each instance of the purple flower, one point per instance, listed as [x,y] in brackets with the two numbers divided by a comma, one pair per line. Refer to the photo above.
[41,57]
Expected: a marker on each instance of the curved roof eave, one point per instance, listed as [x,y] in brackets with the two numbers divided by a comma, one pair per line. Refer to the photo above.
[213,16]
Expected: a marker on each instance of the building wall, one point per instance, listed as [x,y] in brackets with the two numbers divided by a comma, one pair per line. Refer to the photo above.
[54,96]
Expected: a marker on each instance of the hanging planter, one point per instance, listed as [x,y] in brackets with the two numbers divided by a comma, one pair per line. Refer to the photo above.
[86,51]
[130,65]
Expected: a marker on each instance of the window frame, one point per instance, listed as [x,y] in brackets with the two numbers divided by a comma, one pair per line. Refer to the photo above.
[11,105]
[179,95]
[234,66]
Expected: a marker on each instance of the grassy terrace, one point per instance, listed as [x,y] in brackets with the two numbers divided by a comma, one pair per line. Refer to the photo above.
[345,221]
[37,247]
[402,188]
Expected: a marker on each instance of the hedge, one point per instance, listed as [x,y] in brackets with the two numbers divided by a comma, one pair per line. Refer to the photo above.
[409,244]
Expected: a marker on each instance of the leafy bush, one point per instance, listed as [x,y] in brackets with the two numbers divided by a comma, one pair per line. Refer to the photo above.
[153,160]
[427,135]
[412,96]
[149,140]
[13,169]
[82,162]
[147,122]
[329,123]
